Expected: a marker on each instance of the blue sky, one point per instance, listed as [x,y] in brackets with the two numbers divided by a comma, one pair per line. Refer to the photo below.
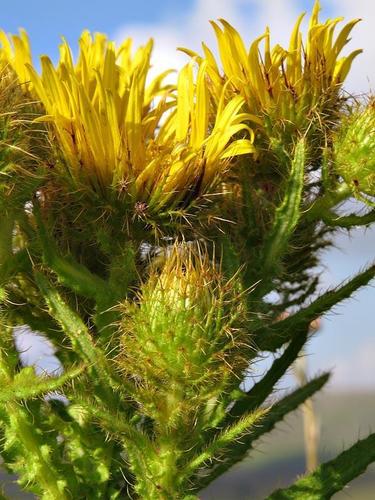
[47,20]
[347,340]
[175,22]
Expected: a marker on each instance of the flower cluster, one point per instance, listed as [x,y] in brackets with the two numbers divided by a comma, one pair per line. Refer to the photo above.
[117,131]
[161,147]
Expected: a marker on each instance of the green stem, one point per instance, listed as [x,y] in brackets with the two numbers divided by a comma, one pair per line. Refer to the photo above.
[323,205]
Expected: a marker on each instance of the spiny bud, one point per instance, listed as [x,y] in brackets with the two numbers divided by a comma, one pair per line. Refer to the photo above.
[182,342]
[354,149]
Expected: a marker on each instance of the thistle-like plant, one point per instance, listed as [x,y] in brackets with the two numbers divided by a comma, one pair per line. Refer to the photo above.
[142,229]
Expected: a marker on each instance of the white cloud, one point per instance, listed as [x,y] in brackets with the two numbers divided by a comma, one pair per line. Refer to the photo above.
[191,30]
[251,17]
[35,350]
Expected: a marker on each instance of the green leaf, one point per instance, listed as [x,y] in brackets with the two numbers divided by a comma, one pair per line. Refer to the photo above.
[224,441]
[79,335]
[26,384]
[238,450]
[71,274]
[331,476]
[37,453]
[139,448]
[348,221]
[287,214]
[273,337]
[322,205]
[14,264]
[264,388]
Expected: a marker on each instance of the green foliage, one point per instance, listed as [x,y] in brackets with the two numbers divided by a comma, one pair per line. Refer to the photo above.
[238,450]
[287,214]
[156,323]
[26,384]
[354,150]
[276,335]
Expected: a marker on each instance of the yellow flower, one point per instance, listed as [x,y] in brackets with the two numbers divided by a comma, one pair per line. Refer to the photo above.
[15,52]
[284,84]
[119,132]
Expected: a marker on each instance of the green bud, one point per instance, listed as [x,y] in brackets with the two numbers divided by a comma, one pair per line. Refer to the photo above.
[182,342]
[354,150]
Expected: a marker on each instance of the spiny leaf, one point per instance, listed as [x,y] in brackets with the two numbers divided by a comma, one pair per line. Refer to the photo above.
[40,466]
[331,476]
[225,440]
[118,425]
[28,385]
[78,334]
[237,451]
[323,204]
[72,274]
[348,221]
[138,446]
[288,213]
[276,335]
[262,389]
[13,264]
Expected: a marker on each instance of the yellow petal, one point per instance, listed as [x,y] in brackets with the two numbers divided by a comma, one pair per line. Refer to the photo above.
[239,147]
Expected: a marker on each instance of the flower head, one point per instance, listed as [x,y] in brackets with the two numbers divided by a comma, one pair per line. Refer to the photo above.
[119,133]
[15,52]
[281,85]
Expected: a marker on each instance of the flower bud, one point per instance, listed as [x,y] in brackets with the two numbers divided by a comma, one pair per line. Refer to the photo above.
[182,341]
[354,149]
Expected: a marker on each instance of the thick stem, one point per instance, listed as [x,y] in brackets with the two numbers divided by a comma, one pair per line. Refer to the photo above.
[164,480]
[160,478]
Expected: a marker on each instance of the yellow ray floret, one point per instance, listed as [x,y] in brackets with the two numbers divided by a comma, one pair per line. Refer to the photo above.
[16,53]
[116,129]
[283,83]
